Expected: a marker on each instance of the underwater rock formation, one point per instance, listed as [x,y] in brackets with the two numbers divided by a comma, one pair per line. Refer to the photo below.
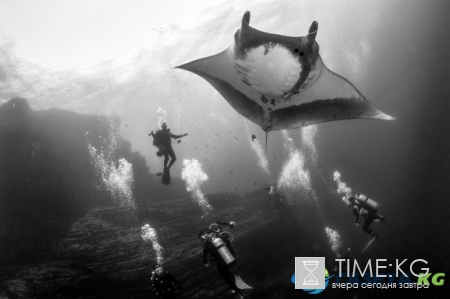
[47,179]
[62,236]
[103,254]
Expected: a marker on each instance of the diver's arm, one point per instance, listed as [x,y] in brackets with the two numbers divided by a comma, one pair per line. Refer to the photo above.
[177,136]
[151,134]
[205,256]
[229,224]
[356,213]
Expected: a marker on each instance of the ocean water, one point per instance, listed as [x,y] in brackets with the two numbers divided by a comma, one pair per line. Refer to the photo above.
[396,53]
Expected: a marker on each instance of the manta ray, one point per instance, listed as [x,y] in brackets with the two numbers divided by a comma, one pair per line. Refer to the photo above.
[280,82]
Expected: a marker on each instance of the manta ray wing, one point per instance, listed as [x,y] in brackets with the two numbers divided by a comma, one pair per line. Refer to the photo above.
[219,72]
[331,97]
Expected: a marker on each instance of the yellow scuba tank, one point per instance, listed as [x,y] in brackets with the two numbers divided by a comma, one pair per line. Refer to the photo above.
[223,251]
[367,203]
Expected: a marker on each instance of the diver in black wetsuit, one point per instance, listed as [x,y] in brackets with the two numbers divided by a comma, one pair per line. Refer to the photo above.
[163,140]
[365,213]
[217,244]
[164,284]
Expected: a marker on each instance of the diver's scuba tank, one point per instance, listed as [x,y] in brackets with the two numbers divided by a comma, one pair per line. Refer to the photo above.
[223,251]
[366,202]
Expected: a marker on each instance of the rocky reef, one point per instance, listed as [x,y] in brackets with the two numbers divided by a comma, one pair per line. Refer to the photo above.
[104,256]
[63,236]
[48,179]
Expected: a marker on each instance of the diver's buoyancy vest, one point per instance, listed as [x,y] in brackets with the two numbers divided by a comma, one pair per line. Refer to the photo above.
[158,138]
[162,138]
[223,252]
[367,203]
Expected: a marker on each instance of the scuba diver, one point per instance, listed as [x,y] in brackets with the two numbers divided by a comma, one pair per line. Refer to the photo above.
[162,139]
[217,244]
[164,284]
[365,208]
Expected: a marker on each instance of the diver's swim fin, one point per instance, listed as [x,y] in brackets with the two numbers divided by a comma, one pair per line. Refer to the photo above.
[240,283]
[166,177]
[368,244]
